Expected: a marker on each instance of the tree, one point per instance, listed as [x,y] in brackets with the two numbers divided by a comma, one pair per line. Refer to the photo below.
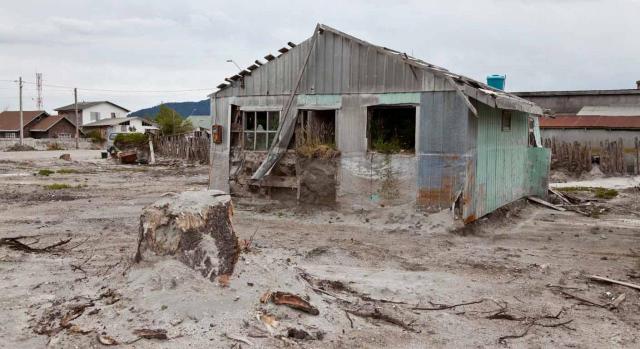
[171,122]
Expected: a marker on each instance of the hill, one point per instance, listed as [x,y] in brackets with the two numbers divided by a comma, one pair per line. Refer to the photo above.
[183,108]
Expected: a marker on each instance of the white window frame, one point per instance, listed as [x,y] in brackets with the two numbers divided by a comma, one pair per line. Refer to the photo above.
[267,132]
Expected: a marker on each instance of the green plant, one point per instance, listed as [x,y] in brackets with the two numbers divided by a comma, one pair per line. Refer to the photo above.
[170,122]
[67,171]
[57,186]
[54,146]
[131,140]
[599,192]
[387,147]
[96,136]
[45,172]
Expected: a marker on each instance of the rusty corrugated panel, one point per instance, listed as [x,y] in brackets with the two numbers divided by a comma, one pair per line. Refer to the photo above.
[591,121]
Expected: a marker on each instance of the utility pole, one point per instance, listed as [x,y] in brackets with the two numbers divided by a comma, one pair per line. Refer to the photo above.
[21,115]
[75,99]
[39,103]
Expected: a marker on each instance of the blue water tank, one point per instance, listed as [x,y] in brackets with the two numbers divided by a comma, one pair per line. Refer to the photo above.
[496,81]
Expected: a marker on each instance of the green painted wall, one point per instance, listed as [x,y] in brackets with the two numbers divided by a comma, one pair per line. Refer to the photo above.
[502,160]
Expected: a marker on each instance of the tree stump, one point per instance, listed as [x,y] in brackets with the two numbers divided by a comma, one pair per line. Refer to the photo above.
[194,227]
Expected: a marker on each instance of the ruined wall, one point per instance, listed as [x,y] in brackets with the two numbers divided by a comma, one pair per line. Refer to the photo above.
[572,101]
[444,149]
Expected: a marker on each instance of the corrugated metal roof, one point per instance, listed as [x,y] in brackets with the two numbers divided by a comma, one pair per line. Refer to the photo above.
[339,67]
[593,121]
[617,110]
[10,120]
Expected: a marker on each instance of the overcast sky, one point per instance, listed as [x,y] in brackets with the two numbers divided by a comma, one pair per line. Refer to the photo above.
[177,45]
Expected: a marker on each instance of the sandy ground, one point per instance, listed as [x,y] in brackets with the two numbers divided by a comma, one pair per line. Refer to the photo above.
[384,263]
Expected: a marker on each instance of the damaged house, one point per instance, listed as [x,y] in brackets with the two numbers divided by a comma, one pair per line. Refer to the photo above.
[337,120]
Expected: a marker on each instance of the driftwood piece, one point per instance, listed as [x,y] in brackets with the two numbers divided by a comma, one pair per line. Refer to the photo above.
[196,228]
[151,333]
[603,279]
[618,300]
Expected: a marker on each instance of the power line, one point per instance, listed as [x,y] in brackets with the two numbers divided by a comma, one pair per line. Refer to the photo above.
[117,90]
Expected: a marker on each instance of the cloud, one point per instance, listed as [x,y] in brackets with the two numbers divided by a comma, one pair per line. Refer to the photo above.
[560,44]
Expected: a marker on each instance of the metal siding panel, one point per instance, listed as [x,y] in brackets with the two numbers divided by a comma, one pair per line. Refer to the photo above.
[337,65]
[346,66]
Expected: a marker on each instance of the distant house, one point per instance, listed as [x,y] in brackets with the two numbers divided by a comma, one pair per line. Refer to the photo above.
[120,125]
[90,112]
[53,126]
[10,122]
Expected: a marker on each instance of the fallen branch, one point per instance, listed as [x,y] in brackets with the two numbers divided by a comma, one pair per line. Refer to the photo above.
[503,339]
[14,244]
[239,339]
[349,318]
[582,299]
[612,281]
[376,314]
[436,306]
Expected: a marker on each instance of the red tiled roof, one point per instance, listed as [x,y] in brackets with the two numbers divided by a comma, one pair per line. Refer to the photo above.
[48,122]
[591,121]
[10,120]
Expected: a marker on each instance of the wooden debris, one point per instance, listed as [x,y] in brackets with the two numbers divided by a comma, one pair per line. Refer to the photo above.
[616,302]
[151,334]
[560,196]
[295,302]
[545,203]
[106,340]
[603,279]
[583,299]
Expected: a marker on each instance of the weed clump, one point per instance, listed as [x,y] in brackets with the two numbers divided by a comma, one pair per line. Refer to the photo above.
[45,172]
[57,186]
[599,192]
[54,146]
[67,171]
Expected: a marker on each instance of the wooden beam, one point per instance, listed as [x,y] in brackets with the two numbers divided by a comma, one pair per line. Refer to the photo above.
[244,73]
[269,57]
[258,62]
[283,50]
[291,44]
[223,85]
[603,279]
[545,203]
[252,67]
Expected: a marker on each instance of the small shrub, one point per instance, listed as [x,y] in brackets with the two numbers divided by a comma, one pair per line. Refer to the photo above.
[318,151]
[54,146]
[131,140]
[604,193]
[57,186]
[96,136]
[387,147]
[45,172]
[67,171]
[18,147]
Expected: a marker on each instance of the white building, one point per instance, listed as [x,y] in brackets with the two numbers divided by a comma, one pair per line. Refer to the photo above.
[90,112]
[120,125]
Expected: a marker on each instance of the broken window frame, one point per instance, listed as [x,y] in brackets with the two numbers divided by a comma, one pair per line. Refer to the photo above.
[506,121]
[251,133]
[370,116]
